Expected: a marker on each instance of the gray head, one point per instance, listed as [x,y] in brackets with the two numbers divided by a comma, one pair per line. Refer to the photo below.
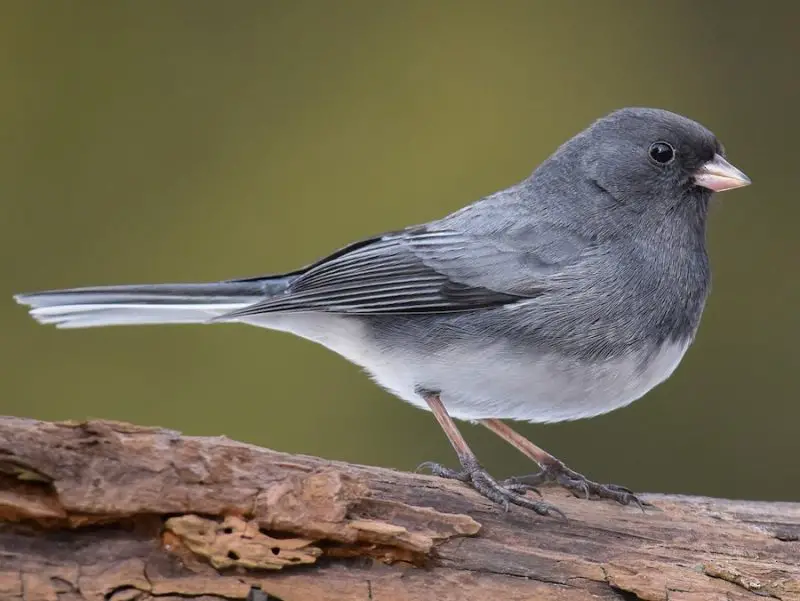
[646,154]
[648,160]
[635,186]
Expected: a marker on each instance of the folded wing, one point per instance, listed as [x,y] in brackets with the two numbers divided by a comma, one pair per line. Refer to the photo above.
[418,270]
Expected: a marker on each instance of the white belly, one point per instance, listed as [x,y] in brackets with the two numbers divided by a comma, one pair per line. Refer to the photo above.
[490,381]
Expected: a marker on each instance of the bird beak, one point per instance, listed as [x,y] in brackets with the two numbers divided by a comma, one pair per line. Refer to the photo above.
[719,175]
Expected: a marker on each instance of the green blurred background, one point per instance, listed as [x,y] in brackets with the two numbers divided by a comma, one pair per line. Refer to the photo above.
[194,140]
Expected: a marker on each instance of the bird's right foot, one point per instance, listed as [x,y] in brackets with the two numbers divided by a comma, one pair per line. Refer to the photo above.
[578,484]
[473,474]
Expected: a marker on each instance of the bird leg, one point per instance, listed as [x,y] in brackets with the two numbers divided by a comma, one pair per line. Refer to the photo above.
[471,471]
[553,470]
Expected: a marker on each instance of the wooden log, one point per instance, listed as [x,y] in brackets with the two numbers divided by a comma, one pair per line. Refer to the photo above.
[107,511]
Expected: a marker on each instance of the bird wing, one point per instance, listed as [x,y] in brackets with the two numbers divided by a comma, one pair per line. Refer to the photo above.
[418,270]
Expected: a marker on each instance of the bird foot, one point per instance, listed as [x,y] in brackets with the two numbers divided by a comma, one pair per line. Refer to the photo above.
[503,494]
[576,483]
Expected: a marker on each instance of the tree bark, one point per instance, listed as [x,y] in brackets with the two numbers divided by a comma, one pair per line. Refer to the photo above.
[107,511]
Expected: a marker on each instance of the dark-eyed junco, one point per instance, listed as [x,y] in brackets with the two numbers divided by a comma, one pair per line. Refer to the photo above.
[567,295]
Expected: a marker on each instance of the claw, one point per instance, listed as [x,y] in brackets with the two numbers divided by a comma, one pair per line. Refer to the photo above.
[438,469]
[552,509]
[520,488]
[425,465]
[578,488]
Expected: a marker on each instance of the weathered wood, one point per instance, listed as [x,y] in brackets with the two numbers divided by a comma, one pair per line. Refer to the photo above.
[110,511]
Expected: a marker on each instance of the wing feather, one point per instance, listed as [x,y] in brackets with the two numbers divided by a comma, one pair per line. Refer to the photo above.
[419,270]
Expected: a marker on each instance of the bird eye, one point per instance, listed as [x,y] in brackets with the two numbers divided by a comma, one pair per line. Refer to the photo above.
[661,152]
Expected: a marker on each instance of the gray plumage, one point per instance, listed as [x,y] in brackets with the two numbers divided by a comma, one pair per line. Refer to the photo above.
[564,296]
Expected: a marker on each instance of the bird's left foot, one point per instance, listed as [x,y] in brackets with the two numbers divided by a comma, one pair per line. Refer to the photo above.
[475,476]
[577,484]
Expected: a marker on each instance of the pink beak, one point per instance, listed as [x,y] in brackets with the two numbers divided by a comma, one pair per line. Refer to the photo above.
[719,175]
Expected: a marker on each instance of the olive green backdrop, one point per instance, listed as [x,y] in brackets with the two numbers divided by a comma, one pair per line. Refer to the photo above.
[195,140]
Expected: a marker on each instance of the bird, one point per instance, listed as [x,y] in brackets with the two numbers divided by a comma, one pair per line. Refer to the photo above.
[564,296]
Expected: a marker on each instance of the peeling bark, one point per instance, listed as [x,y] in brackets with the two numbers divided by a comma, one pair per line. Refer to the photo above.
[114,512]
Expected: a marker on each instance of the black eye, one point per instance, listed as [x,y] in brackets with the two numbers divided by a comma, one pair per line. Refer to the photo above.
[661,152]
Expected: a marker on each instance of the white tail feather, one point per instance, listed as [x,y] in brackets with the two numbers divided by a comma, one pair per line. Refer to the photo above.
[115,314]
[145,304]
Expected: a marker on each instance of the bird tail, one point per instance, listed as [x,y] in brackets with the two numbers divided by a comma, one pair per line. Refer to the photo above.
[147,304]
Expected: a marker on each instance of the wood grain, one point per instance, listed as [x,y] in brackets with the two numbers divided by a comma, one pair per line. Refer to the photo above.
[107,511]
